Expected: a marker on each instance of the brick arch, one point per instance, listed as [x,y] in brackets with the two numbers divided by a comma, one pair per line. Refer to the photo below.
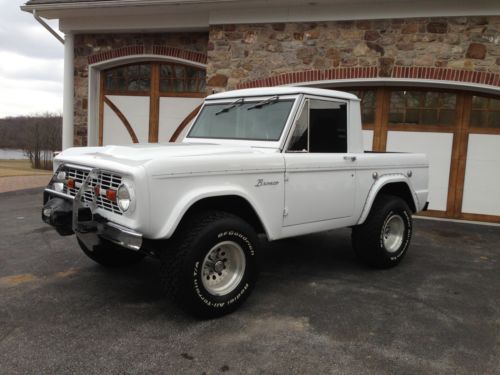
[398,72]
[179,53]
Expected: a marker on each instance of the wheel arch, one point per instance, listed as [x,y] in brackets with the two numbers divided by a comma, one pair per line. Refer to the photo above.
[397,185]
[230,202]
[233,204]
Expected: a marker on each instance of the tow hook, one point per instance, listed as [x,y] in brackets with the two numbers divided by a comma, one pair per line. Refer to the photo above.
[58,213]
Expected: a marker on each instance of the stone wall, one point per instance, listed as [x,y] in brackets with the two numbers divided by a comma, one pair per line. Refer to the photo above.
[186,45]
[249,53]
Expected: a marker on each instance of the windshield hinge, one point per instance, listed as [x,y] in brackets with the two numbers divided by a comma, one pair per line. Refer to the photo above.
[285,212]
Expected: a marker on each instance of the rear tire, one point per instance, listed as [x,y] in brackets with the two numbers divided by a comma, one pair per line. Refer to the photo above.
[111,255]
[383,239]
[210,268]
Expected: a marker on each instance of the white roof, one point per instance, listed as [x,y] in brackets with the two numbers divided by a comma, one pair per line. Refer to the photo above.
[288,90]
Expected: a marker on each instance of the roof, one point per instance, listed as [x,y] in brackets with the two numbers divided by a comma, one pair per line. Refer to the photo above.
[131,2]
[267,91]
[33,2]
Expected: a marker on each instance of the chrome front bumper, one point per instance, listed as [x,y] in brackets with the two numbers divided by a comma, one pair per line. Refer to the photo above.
[90,227]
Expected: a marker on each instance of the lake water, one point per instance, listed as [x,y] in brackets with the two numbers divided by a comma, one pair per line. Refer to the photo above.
[7,153]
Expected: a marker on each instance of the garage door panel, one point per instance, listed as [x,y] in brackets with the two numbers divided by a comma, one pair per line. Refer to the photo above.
[368,140]
[136,111]
[173,111]
[114,132]
[482,175]
[438,147]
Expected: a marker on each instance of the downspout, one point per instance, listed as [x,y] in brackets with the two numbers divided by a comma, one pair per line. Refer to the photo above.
[68,84]
[47,26]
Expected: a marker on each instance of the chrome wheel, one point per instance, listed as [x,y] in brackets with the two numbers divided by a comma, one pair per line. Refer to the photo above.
[223,268]
[393,233]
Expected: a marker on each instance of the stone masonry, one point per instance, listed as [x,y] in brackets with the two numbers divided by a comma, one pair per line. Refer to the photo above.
[465,49]
[89,45]
[246,53]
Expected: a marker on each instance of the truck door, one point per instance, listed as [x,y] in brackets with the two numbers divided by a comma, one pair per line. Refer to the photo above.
[320,173]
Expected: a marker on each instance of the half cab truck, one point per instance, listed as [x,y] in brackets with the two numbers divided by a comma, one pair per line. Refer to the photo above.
[281,162]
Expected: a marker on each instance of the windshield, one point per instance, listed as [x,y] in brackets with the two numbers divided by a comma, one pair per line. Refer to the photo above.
[243,120]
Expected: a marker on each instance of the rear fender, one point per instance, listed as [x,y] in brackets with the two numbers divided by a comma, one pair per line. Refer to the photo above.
[378,185]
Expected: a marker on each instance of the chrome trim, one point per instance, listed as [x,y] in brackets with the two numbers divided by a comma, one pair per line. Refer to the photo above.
[122,236]
[76,166]
[62,195]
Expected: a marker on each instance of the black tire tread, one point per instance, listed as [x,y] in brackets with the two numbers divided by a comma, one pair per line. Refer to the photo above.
[366,234]
[173,259]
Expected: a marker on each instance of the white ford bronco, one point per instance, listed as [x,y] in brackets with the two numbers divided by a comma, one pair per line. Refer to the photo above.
[281,162]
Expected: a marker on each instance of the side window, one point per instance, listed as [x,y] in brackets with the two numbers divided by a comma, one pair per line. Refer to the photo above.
[321,128]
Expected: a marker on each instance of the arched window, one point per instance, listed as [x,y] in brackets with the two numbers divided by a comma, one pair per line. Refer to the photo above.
[162,79]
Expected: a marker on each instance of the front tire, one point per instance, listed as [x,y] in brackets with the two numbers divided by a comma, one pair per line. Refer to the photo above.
[383,239]
[210,268]
[110,255]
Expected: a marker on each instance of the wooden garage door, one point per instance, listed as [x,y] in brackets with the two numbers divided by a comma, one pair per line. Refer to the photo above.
[458,130]
[147,101]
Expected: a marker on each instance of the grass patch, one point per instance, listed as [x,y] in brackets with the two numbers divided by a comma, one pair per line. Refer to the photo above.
[19,168]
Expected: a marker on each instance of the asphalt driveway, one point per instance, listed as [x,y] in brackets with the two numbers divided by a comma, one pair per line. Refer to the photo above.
[315,309]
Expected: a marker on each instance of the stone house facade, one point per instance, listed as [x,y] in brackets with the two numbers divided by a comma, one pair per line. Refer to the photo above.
[428,74]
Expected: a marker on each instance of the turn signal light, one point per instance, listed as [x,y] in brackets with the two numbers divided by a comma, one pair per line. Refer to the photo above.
[70,183]
[111,195]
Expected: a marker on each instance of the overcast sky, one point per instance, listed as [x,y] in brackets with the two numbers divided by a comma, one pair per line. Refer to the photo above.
[31,64]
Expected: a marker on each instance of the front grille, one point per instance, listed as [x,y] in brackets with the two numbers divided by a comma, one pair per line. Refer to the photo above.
[105,180]
[77,175]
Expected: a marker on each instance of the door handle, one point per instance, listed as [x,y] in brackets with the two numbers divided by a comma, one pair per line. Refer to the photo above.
[351,158]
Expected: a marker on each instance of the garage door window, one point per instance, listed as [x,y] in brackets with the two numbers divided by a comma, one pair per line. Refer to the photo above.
[485,112]
[368,100]
[130,78]
[179,78]
[422,108]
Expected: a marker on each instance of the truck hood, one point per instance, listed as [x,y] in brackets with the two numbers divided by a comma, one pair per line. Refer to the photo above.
[119,157]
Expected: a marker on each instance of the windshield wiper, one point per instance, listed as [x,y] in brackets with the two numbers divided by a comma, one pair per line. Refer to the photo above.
[271,100]
[230,106]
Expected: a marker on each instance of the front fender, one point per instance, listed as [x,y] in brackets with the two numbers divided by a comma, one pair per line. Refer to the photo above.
[378,185]
[194,196]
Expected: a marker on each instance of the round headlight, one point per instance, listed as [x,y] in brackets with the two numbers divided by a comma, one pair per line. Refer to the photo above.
[123,197]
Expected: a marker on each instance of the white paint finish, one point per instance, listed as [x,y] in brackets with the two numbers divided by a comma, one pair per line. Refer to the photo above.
[172,112]
[160,22]
[201,14]
[136,111]
[328,196]
[482,175]
[114,133]
[282,90]
[190,172]
[353,10]
[320,187]
[68,92]
[368,140]
[438,147]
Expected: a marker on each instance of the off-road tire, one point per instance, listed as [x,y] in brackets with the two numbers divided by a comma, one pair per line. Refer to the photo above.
[182,263]
[368,239]
[111,255]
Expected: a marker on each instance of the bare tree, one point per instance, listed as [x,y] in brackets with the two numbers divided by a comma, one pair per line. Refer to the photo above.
[38,136]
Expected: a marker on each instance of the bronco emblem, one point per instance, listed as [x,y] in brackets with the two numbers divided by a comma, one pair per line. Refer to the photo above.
[261,182]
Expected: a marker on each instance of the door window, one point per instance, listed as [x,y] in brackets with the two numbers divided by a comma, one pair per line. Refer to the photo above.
[321,128]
